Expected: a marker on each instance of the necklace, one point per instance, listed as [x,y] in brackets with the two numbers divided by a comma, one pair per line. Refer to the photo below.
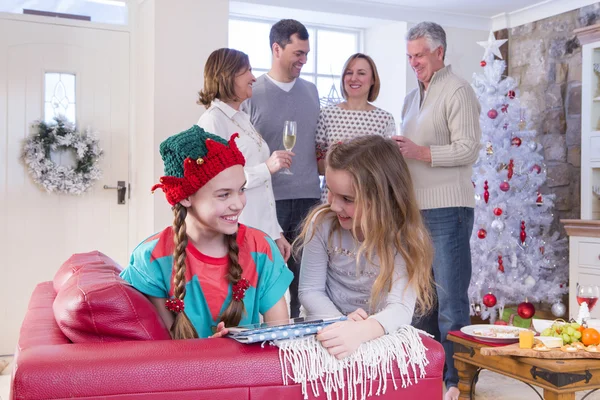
[254,135]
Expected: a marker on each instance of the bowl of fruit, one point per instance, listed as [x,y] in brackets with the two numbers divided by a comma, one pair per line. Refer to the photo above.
[569,332]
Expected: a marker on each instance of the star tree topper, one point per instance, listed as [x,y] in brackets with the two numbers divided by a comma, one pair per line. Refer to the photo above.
[492,46]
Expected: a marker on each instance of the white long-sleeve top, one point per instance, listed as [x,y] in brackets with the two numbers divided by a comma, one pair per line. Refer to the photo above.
[260,212]
[332,284]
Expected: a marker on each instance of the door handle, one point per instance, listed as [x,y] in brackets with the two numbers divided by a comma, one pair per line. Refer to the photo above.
[121,191]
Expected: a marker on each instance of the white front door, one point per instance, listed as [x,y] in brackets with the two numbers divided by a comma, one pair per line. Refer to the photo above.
[38,230]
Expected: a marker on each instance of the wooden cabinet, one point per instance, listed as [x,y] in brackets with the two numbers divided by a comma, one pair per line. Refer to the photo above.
[589,37]
[584,259]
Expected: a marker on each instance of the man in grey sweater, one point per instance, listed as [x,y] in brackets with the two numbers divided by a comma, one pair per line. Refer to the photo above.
[278,96]
[440,142]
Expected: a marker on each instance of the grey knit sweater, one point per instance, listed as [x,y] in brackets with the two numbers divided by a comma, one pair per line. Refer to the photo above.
[268,108]
[445,118]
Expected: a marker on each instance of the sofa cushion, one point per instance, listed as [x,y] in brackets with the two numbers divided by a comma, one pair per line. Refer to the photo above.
[76,261]
[96,305]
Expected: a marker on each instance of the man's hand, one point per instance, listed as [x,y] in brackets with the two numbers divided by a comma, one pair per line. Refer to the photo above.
[221,330]
[409,149]
[284,247]
[278,160]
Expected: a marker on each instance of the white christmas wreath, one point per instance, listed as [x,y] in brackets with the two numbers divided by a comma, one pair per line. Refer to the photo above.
[62,135]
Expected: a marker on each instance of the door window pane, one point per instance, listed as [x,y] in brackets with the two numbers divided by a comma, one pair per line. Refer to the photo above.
[59,96]
[334,48]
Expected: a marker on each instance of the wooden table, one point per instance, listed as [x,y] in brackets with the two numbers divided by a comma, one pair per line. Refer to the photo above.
[560,379]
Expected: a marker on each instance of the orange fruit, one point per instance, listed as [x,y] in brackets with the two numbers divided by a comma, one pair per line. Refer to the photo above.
[590,336]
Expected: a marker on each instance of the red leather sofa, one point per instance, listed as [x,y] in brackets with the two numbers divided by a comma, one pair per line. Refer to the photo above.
[89,335]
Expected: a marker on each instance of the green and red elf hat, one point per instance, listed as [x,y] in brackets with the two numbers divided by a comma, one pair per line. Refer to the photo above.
[192,158]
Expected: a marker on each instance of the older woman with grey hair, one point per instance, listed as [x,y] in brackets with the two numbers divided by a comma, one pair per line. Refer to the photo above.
[441,134]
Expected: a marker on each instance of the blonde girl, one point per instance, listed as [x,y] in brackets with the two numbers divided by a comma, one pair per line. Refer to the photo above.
[366,253]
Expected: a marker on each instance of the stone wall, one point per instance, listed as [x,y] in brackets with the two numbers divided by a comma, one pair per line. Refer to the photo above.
[545,59]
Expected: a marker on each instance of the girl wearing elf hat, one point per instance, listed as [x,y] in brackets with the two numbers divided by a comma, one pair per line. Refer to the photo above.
[366,253]
[207,272]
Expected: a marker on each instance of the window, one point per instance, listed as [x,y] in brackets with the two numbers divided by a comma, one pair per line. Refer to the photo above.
[329,50]
[59,96]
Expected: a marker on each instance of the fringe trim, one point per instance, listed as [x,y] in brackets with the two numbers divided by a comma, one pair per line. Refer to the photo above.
[311,364]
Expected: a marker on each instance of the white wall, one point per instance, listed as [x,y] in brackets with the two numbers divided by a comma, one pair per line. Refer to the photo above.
[171,46]
[463,53]
[385,44]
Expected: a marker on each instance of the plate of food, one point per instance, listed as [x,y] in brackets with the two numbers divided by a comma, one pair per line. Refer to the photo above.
[493,333]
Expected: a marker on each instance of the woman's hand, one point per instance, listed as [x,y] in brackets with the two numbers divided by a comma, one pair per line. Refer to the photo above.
[221,330]
[284,247]
[278,160]
[358,315]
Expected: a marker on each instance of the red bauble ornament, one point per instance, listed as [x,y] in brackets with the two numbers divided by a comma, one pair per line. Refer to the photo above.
[483,63]
[482,233]
[526,310]
[497,211]
[504,186]
[516,141]
[536,168]
[523,234]
[500,264]
[489,300]
[511,94]
[486,194]
[492,114]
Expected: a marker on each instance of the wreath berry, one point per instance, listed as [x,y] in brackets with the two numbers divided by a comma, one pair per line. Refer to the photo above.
[62,135]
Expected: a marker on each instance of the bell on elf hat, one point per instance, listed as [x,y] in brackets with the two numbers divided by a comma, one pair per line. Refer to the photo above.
[192,158]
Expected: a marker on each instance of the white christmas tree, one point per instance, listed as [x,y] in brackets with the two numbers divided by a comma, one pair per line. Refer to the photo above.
[514,254]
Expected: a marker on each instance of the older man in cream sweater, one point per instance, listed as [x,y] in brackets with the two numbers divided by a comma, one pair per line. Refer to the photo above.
[440,141]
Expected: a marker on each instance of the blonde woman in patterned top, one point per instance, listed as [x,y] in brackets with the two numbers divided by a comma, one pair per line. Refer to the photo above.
[356,116]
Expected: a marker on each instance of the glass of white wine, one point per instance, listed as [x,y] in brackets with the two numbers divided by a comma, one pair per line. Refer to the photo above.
[289,140]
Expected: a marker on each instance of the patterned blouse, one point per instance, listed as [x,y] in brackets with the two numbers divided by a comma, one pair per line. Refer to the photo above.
[337,125]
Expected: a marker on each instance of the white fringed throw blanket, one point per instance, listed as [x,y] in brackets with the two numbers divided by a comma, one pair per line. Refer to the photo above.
[311,364]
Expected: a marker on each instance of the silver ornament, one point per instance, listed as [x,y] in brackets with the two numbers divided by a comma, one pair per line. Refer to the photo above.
[498,225]
[532,145]
[491,90]
[477,310]
[477,197]
[530,281]
[558,309]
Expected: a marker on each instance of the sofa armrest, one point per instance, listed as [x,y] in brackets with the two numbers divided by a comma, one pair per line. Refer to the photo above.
[105,369]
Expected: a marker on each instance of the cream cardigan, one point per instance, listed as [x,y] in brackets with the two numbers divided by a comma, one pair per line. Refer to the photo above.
[446,119]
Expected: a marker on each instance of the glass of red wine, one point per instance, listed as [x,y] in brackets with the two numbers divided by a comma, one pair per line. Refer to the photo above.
[587,294]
